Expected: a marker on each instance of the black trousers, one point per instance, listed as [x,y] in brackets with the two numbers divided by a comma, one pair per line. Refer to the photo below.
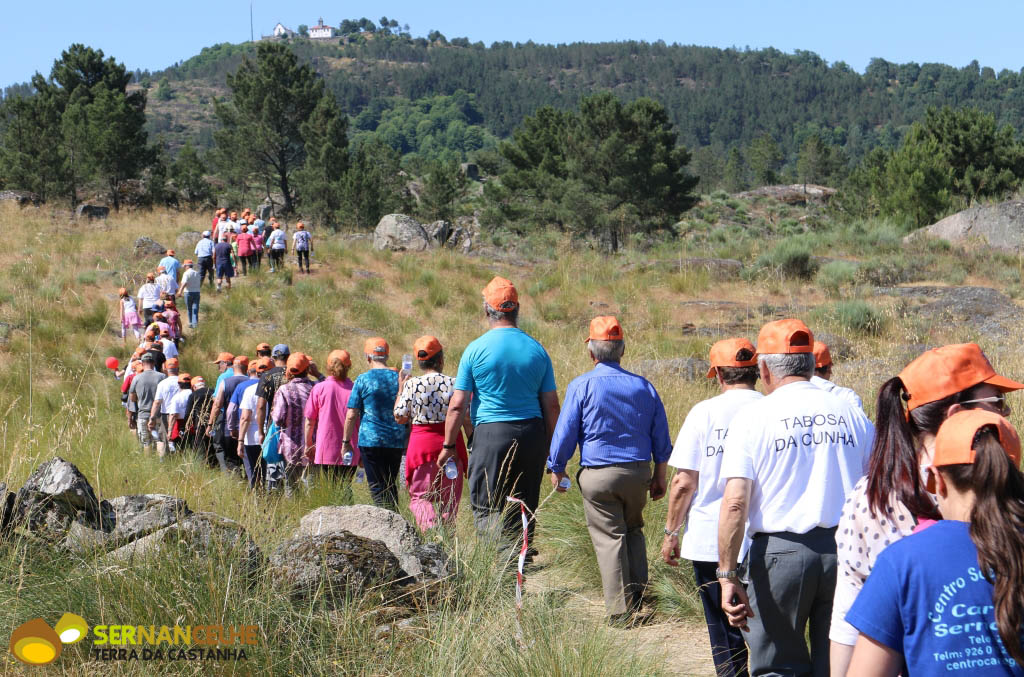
[303,254]
[507,460]
[205,268]
[728,649]
[382,466]
[255,466]
[276,258]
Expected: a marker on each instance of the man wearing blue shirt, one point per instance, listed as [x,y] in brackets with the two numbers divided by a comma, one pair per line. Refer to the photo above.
[618,421]
[511,381]
[171,265]
[204,253]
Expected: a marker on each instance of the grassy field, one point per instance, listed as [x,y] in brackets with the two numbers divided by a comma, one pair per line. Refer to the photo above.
[58,322]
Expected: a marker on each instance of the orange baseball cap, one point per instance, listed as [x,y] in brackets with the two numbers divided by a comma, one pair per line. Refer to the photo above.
[822,356]
[241,360]
[224,357]
[604,328]
[341,355]
[171,363]
[150,277]
[262,346]
[297,363]
[301,226]
[945,371]
[376,346]
[724,354]
[184,377]
[264,364]
[785,337]
[426,347]
[501,294]
[170,252]
[187,262]
[122,291]
[954,443]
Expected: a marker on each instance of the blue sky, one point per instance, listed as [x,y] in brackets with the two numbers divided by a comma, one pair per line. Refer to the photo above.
[153,35]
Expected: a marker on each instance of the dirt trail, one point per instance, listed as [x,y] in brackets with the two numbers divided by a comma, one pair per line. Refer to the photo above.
[680,645]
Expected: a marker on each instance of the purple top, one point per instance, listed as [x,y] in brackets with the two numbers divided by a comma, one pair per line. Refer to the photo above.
[289,403]
[326,408]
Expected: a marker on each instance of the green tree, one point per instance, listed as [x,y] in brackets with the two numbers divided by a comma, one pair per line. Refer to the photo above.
[817,161]
[189,175]
[764,158]
[116,149]
[303,30]
[917,182]
[271,98]
[443,188]
[734,177]
[374,184]
[30,159]
[163,90]
[319,182]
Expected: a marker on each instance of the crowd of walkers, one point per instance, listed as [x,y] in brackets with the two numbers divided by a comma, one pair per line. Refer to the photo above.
[821,542]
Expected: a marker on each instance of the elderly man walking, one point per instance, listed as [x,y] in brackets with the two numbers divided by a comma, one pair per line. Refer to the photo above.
[514,408]
[618,421]
[823,376]
[788,469]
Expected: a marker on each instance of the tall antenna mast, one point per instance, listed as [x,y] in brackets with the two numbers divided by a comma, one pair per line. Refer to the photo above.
[251,36]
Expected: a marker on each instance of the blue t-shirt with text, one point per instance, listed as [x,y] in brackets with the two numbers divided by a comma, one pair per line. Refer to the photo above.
[927,599]
[506,370]
[374,393]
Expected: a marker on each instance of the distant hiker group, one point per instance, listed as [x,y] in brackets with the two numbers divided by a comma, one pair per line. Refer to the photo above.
[820,542]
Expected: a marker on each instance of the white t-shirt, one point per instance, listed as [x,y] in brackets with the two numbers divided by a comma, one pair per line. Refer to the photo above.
[166,283]
[192,281]
[179,403]
[804,449]
[169,349]
[249,402]
[699,447]
[149,294]
[847,394]
[165,390]
[277,239]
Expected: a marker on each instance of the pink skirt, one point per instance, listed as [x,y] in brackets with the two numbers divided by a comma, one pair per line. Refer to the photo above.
[131,320]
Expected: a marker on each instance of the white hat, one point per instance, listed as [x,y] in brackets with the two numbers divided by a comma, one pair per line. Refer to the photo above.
[206,233]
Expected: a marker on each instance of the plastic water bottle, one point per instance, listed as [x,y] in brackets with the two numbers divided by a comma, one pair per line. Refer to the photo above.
[407,363]
[564,484]
[346,458]
[451,470]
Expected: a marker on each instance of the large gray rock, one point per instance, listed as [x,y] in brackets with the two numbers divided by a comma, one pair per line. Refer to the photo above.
[438,232]
[203,533]
[145,246]
[186,243]
[687,368]
[1000,226]
[53,497]
[6,508]
[91,212]
[425,561]
[20,197]
[985,310]
[399,233]
[793,194]
[336,566]
[125,519]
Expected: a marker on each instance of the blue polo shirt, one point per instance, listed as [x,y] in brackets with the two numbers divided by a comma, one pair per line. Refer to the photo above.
[614,416]
[171,265]
[506,370]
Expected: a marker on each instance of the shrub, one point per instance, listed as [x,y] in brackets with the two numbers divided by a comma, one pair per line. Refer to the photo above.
[834,275]
[853,316]
[890,270]
[791,257]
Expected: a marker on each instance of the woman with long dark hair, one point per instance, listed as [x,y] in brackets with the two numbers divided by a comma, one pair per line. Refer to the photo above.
[891,502]
[950,599]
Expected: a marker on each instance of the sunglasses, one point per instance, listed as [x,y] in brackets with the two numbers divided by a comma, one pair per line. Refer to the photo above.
[998,402]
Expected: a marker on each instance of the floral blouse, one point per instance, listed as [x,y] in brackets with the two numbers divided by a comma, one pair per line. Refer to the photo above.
[424,399]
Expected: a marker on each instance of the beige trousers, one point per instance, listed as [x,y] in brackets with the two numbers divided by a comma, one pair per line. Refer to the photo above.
[613,503]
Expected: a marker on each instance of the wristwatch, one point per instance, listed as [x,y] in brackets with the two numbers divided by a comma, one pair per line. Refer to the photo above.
[731,573]
[447,446]
[673,533]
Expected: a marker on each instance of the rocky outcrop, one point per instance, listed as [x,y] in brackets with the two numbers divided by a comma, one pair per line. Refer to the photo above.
[186,243]
[145,246]
[793,194]
[424,561]
[22,198]
[999,226]
[984,310]
[91,212]
[335,566]
[52,498]
[400,233]
[126,519]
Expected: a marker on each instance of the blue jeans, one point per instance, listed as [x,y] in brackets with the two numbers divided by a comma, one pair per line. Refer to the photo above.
[192,302]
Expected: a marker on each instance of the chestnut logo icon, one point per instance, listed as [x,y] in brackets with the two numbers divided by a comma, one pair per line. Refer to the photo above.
[36,643]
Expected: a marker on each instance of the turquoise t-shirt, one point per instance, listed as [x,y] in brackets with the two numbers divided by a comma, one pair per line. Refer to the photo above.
[374,393]
[506,370]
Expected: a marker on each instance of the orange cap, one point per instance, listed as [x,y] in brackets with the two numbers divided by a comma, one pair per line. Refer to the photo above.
[170,252]
[822,357]
[501,294]
[785,337]
[341,355]
[945,371]
[171,363]
[426,347]
[187,262]
[376,346]
[954,443]
[262,346]
[150,277]
[301,225]
[252,367]
[224,357]
[122,291]
[297,363]
[264,364]
[184,377]
[137,366]
[241,360]
[604,328]
[725,354]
